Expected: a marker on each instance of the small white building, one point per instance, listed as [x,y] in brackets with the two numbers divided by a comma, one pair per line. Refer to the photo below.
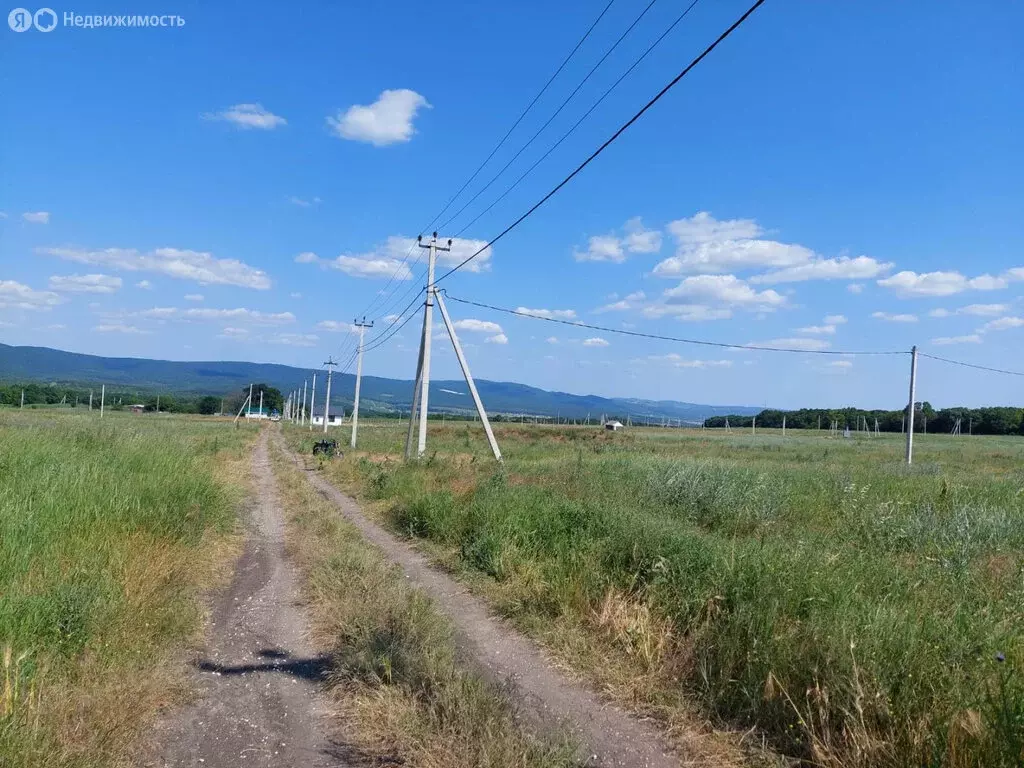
[334,420]
[613,426]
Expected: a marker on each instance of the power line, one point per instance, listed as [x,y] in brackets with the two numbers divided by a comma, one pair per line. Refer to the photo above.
[494,151]
[555,114]
[609,141]
[522,115]
[579,122]
[659,337]
[970,365]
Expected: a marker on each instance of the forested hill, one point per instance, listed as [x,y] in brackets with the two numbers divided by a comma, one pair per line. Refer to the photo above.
[70,374]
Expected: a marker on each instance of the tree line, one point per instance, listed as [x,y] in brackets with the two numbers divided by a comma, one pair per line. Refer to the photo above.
[998,420]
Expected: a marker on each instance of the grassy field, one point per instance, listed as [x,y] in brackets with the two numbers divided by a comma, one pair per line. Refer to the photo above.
[109,531]
[853,610]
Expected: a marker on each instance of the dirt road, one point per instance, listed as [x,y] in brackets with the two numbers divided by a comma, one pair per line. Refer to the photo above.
[610,737]
[257,675]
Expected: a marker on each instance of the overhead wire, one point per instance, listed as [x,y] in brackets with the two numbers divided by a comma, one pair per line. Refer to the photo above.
[555,114]
[597,152]
[970,365]
[661,337]
[494,151]
[579,122]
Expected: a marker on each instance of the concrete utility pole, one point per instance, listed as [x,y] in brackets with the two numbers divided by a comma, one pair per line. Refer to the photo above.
[261,403]
[312,402]
[90,399]
[302,411]
[910,407]
[421,388]
[248,413]
[362,326]
[423,374]
[23,398]
[103,398]
[327,401]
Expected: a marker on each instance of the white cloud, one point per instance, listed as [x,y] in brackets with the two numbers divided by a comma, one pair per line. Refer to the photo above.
[303,203]
[946,340]
[2,215]
[335,326]
[394,257]
[144,285]
[855,288]
[294,339]
[679,361]
[841,268]
[194,297]
[205,314]
[834,319]
[726,290]
[233,333]
[940,312]
[39,217]
[976,310]
[119,328]
[893,318]
[551,314]
[14,295]
[478,326]
[499,338]
[689,313]
[613,247]
[295,295]
[705,245]
[809,345]
[817,329]
[248,116]
[908,284]
[85,283]
[1003,324]
[387,121]
[596,341]
[840,364]
[55,327]
[552,339]
[201,267]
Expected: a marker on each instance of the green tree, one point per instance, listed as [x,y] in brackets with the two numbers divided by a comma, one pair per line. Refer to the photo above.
[208,405]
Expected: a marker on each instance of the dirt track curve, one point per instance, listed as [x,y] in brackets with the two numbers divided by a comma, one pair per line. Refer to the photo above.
[258,676]
[609,736]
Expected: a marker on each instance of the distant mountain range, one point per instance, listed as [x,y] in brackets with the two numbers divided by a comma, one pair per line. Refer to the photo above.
[45,365]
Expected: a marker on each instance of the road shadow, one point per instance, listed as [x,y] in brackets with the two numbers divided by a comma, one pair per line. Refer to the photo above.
[313,668]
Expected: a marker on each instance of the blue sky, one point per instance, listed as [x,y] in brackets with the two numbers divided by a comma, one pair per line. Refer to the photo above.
[838,176]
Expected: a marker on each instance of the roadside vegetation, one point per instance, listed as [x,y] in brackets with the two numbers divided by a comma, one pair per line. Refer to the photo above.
[851,610]
[109,532]
[403,696]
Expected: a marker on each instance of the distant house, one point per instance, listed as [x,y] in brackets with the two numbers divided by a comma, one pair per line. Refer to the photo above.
[334,420]
[257,413]
[613,426]
[137,408]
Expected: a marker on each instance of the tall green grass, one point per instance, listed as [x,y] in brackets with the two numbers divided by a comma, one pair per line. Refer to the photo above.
[854,610]
[103,529]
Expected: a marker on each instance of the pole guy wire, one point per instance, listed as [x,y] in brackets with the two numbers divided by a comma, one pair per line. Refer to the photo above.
[657,97]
